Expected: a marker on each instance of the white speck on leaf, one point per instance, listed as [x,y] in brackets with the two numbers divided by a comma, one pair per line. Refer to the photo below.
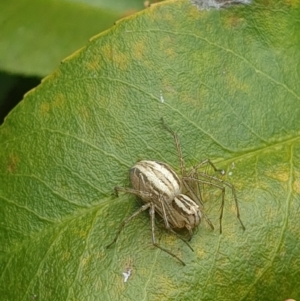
[162,100]
[126,274]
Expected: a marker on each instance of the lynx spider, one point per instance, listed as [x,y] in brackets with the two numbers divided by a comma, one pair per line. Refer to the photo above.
[160,188]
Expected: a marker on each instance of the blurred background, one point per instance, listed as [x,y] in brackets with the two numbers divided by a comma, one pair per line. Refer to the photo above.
[35,36]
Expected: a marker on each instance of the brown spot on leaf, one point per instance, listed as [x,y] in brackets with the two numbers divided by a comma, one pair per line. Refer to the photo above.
[13,161]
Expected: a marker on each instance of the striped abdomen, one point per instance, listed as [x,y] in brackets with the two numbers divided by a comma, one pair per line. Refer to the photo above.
[156,178]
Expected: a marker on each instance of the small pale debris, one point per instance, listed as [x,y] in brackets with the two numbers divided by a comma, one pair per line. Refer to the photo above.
[217,4]
[147,4]
[232,165]
[162,100]
[222,172]
[126,274]
[230,173]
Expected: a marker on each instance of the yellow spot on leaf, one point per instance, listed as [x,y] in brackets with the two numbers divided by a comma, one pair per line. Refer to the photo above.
[46,107]
[139,50]
[166,46]
[94,64]
[58,101]
[115,56]
[233,21]
[12,163]
[280,175]
[296,186]
[292,3]
[235,83]
[66,256]
[106,52]
[84,112]
[200,253]
[85,260]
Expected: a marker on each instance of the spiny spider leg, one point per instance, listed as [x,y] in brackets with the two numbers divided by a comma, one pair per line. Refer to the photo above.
[204,175]
[222,188]
[194,170]
[167,225]
[152,215]
[204,162]
[195,197]
[123,224]
[178,147]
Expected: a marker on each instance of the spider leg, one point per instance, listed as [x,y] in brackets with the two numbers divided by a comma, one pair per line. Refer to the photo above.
[178,147]
[205,162]
[222,188]
[140,194]
[152,215]
[229,185]
[167,225]
[126,221]
[199,199]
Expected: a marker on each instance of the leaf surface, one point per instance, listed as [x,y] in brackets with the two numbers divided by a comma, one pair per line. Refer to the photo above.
[226,81]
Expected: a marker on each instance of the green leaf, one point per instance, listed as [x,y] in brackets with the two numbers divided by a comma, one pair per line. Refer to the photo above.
[36,35]
[227,82]
[117,5]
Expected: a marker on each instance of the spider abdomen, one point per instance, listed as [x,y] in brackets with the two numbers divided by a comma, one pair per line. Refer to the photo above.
[155,178]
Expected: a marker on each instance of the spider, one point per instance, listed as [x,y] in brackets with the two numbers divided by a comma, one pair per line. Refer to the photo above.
[161,189]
